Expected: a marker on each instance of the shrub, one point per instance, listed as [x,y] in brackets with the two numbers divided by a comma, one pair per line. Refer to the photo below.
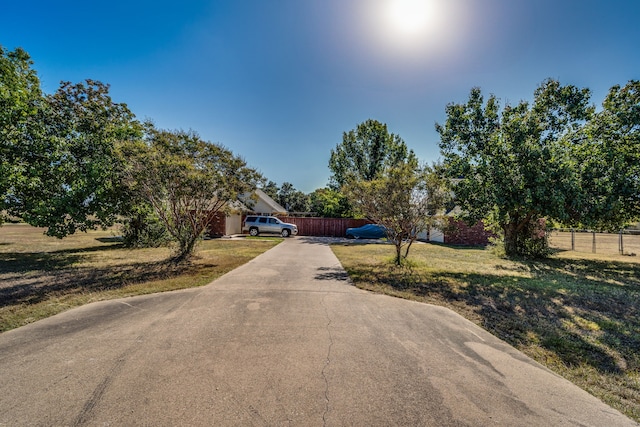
[144,230]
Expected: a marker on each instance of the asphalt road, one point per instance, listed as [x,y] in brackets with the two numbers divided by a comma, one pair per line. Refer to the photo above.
[283,340]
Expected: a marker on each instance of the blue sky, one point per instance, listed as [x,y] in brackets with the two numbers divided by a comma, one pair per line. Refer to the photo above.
[279,81]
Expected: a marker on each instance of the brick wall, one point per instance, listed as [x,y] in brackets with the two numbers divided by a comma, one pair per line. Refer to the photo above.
[459,233]
[217,224]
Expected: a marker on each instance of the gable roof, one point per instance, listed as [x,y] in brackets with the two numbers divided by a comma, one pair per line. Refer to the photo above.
[260,202]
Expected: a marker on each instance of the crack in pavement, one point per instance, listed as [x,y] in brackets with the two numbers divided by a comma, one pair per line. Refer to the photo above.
[326,365]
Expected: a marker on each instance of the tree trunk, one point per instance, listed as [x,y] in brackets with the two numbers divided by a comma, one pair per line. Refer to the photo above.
[186,246]
[406,252]
[511,239]
[398,259]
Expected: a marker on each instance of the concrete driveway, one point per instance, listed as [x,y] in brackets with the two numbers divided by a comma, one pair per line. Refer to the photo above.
[282,340]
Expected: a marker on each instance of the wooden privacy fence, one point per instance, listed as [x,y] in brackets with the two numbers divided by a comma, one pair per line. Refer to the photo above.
[458,233]
[626,242]
[326,227]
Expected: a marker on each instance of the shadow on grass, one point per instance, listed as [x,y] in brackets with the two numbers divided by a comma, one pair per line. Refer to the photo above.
[24,262]
[582,311]
[43,275]
[115,239]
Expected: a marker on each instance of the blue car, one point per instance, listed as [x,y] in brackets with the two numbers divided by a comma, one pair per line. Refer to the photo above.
[368,231]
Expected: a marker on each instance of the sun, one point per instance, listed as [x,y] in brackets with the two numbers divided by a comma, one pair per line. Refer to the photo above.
[409,18]
[412,33]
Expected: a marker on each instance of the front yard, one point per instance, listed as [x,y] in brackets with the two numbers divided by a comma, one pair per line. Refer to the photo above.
[41,276]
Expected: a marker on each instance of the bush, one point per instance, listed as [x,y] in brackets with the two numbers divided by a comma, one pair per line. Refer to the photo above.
[144,230]
[532,241]
[496,247]
[535,243]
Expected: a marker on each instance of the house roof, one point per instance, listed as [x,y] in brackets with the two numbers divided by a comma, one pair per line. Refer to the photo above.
[259,201]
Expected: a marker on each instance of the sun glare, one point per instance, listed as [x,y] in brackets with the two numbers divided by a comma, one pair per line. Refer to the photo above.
[409,17]
[414,33]
[410,26]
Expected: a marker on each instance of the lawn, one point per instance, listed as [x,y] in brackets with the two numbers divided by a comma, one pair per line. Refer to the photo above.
[577,314]
[41,276]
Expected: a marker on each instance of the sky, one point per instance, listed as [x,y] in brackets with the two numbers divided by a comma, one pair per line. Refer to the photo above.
[279,81]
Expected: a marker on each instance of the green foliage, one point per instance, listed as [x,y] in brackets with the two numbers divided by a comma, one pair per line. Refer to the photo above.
[291,199]
[142,228]
[20,99]
[76,160]
[516,165]
[329,203]
[608,155]
[271,190]
[556,159]
[531,242]
[381,180]
[404,199]
[287,196]
[323,202]
[496,247]
[365,153]
[69,168]
[58,167]
[186,181]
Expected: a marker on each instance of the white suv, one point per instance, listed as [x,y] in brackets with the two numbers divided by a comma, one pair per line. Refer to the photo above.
[268,224]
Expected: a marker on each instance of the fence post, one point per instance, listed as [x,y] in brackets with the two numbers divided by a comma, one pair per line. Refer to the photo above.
[621,244]
[593,247]
[573,239]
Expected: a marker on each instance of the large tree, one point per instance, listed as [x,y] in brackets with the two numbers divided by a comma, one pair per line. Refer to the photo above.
[330,203]
[20,100]
[271,189]
[291,199]
[287,196]
[404,199]
[187,181]
[515,165]
[365,153]
[608,155]
[70,173]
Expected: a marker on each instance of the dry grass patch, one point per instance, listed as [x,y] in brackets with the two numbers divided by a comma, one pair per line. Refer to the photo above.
[578,315]
[41,276]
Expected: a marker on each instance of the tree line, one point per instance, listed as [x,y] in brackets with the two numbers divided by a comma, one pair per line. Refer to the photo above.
[76,160]
[519,168]
[554,159]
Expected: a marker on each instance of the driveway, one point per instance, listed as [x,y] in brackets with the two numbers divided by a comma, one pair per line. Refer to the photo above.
[283,340]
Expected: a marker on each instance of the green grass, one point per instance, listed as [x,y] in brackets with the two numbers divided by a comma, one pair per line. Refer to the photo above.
[41,276]
[578,314]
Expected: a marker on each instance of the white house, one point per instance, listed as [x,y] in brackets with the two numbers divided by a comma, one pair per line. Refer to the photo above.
[257,202]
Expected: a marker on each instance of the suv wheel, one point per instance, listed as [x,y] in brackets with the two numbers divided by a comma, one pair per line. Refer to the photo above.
[285,232]
[253,231]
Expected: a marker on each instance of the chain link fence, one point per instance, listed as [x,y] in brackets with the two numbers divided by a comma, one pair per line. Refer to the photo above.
[626,242]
